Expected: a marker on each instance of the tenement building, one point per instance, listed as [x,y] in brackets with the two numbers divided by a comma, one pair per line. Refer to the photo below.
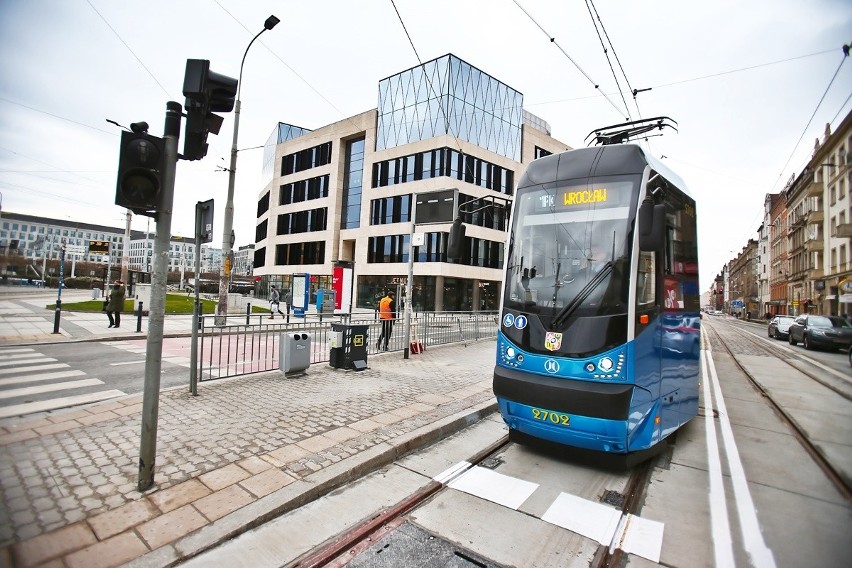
[344,194]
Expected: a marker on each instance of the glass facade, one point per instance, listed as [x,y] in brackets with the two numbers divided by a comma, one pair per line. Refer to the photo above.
[449,96]
[353,183]
[282,133]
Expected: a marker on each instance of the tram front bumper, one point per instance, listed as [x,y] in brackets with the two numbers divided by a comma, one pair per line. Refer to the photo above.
[584,414]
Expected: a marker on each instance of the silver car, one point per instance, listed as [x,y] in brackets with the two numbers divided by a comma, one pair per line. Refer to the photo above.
[779,327]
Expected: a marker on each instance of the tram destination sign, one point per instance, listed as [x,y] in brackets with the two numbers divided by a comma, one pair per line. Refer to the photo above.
[99,247]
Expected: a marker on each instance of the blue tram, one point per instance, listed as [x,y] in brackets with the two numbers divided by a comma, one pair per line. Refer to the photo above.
[599,341]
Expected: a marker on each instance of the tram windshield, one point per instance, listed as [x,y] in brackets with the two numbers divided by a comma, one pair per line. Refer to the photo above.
[569,250]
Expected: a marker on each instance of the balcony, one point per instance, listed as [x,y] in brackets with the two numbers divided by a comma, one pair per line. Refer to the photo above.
[815,188]
[814,245]
[816,273]
[815,217]
[843,231]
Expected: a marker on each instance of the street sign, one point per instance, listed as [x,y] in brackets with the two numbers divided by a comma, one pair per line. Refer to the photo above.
[75,249]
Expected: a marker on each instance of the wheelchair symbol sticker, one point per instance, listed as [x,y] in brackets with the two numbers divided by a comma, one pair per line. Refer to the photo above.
[551,366]
[521,322]
[508,320]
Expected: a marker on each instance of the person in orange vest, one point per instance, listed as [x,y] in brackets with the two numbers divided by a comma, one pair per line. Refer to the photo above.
[387,313]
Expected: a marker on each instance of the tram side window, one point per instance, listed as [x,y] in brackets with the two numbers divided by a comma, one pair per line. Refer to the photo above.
[646,285]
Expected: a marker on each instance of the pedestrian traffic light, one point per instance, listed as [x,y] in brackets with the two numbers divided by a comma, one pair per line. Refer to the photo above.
[455,242]
[140,167]
[206,92]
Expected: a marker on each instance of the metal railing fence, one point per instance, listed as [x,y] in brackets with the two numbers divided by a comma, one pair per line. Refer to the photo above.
[251,343]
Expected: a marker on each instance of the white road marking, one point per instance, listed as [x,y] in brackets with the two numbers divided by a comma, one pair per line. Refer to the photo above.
[3,352]
[592,520]
[40,377]
[761,556]
[9,363]
[127,363]
[17,354]
[26,391]
[452,472]
[31,369]
[723,550]
[495,487]
[54,403]
[642,537]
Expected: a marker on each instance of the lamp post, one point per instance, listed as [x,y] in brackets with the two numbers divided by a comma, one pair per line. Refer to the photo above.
[227,226]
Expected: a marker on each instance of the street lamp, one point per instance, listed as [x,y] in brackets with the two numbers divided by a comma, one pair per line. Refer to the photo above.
[227,226]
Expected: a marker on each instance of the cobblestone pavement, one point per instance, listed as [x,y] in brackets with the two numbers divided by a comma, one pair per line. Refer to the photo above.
[68,479]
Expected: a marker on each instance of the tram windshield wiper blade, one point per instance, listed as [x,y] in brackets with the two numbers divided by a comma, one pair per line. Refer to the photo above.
[565,312]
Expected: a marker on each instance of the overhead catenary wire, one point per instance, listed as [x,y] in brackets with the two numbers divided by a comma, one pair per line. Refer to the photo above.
[124,43]
[589,6]
[846,50]
[565,53]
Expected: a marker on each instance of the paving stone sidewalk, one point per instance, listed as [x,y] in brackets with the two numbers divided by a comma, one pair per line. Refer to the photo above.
[243,451]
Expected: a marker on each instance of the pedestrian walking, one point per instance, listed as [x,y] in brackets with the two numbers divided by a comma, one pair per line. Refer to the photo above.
[115,305]
[387,314]
[274,302]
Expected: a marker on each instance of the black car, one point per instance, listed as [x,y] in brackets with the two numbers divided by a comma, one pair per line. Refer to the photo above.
[779,326]
[813,331]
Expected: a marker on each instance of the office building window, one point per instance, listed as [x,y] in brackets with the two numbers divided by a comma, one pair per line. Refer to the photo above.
[395,209]
[306,159]
[292,254]
[443,162]
[263,204]
[353,184]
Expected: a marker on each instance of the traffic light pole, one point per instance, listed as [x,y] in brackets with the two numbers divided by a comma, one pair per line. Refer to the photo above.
[157,309]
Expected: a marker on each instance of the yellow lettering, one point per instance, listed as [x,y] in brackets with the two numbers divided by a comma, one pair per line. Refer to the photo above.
[584,197]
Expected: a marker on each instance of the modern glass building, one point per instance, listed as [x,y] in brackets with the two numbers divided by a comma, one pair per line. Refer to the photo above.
[345,193]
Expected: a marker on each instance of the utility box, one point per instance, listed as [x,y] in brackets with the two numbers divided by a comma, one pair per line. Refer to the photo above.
[335,339]
[352,354]
[294,352]
[143,294]
[325,301]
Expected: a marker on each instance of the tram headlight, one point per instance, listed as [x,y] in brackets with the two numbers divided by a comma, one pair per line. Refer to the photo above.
[605,364]
[510,353]
[590,367]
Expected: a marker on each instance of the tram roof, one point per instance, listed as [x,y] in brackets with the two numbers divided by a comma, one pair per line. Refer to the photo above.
[615,159]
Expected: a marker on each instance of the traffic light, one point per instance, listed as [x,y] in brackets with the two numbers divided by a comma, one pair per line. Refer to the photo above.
[455,242]
[140,167]
[206,92]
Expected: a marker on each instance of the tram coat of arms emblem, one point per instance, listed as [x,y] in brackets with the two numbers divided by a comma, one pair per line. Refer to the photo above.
[552,340]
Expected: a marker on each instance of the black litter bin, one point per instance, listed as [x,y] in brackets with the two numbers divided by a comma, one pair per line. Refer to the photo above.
[349,350]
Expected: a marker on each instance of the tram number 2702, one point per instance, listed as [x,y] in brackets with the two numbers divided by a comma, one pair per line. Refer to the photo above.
[549,416]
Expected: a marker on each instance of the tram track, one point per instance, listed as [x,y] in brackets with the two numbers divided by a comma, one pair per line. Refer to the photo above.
[801,436]
[344,548]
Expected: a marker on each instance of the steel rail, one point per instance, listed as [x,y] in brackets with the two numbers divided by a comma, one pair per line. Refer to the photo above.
[801,436]
[360,537]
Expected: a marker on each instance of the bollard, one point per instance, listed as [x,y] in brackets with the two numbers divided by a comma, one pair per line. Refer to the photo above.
[248,313]
[56,316]
[139,318]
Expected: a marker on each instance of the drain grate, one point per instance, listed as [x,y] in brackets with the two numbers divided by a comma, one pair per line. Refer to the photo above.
[613,498]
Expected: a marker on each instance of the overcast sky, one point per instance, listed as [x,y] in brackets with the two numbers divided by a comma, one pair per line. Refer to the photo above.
[741,78]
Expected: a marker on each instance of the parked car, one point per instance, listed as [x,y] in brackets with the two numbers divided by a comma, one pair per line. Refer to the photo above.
[779,326]
[813,331]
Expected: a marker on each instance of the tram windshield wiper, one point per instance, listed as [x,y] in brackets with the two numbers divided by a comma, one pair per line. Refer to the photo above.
[569,309]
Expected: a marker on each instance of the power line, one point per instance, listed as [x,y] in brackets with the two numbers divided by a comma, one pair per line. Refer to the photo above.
[4,99]
[128,47]
[589,6]
[819,104]
[703,77]
[565,53]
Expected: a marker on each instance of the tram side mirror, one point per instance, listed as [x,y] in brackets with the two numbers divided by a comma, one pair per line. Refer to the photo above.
[652,226]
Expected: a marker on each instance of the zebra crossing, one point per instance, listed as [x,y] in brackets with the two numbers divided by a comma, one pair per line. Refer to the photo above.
[31,382]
